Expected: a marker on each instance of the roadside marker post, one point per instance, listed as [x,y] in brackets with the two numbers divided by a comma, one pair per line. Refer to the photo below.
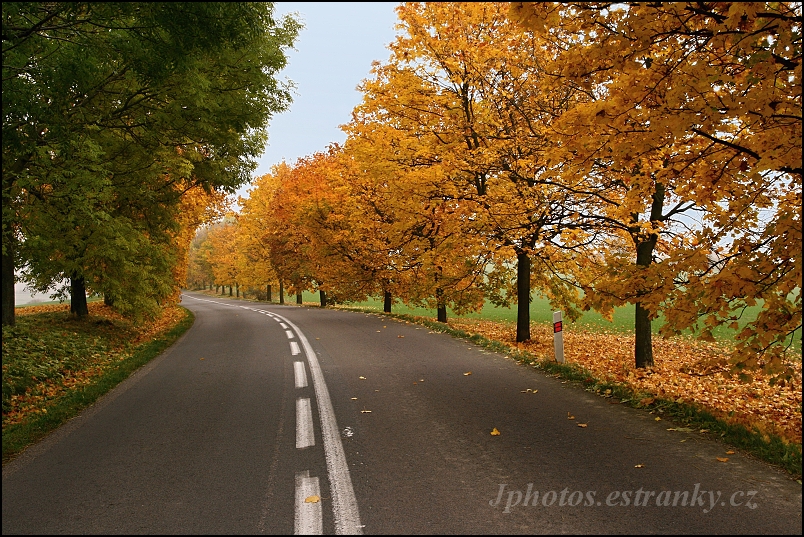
[558,336]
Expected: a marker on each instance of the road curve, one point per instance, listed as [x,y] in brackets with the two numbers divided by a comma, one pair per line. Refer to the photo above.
[285,419]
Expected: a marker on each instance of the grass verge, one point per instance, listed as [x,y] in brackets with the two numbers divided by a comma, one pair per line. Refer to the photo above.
[54,366]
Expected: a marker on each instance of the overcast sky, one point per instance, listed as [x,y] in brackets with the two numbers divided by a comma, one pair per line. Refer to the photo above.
[333,55]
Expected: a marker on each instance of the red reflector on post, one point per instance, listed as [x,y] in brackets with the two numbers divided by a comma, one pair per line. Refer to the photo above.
[557,327]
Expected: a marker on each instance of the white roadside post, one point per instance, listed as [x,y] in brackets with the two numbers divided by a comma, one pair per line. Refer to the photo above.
[558,336]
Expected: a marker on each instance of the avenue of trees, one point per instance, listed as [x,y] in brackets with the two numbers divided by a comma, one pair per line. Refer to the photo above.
[598,154]
[125,125]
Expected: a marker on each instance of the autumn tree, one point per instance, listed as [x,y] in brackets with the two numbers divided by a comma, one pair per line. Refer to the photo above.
[198,208]
[252,241]
[453,92]
[694,108]
[221,251]
[199,270]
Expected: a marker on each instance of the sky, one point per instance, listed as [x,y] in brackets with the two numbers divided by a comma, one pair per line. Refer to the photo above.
[332,55]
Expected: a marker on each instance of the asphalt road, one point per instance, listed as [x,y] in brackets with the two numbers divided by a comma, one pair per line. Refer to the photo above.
[284,419]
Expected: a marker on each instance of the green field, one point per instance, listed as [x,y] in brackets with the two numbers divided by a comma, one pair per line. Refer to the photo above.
[541,312]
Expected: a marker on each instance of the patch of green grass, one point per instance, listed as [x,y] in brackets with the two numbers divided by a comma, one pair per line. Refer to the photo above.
[541,312]
[52,346]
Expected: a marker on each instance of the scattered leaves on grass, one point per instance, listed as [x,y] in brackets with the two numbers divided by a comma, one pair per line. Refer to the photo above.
[50,352]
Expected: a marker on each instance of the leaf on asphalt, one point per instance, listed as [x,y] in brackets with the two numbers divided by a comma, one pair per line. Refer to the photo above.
[685,372]
[570,416]
[362,378]
[467,373]
[495,432]
[657,419]
[365,411]
[730,452]
[638,466]
[582,425]
[400,336]
[354,398]
[312,499]
[722,459]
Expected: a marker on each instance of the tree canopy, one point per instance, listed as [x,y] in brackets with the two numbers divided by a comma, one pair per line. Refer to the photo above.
[112,112]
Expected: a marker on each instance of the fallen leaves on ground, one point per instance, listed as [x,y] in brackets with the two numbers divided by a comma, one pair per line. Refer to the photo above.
[685,370]
[495,432]
[41,391]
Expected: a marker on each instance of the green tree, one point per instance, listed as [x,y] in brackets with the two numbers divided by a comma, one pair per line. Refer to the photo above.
[110,112]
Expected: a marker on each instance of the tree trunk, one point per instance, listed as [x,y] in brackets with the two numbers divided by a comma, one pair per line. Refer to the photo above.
[237,290]
[387,303]
[323,296]
[441,313]
[643,344]
[230,289]
[281,292]
[78,296]
[9,317]
[299,298]
[522,296]
[268,293]
[441,308]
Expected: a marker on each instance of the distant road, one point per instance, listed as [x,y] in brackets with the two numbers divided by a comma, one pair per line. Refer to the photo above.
[285,419]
